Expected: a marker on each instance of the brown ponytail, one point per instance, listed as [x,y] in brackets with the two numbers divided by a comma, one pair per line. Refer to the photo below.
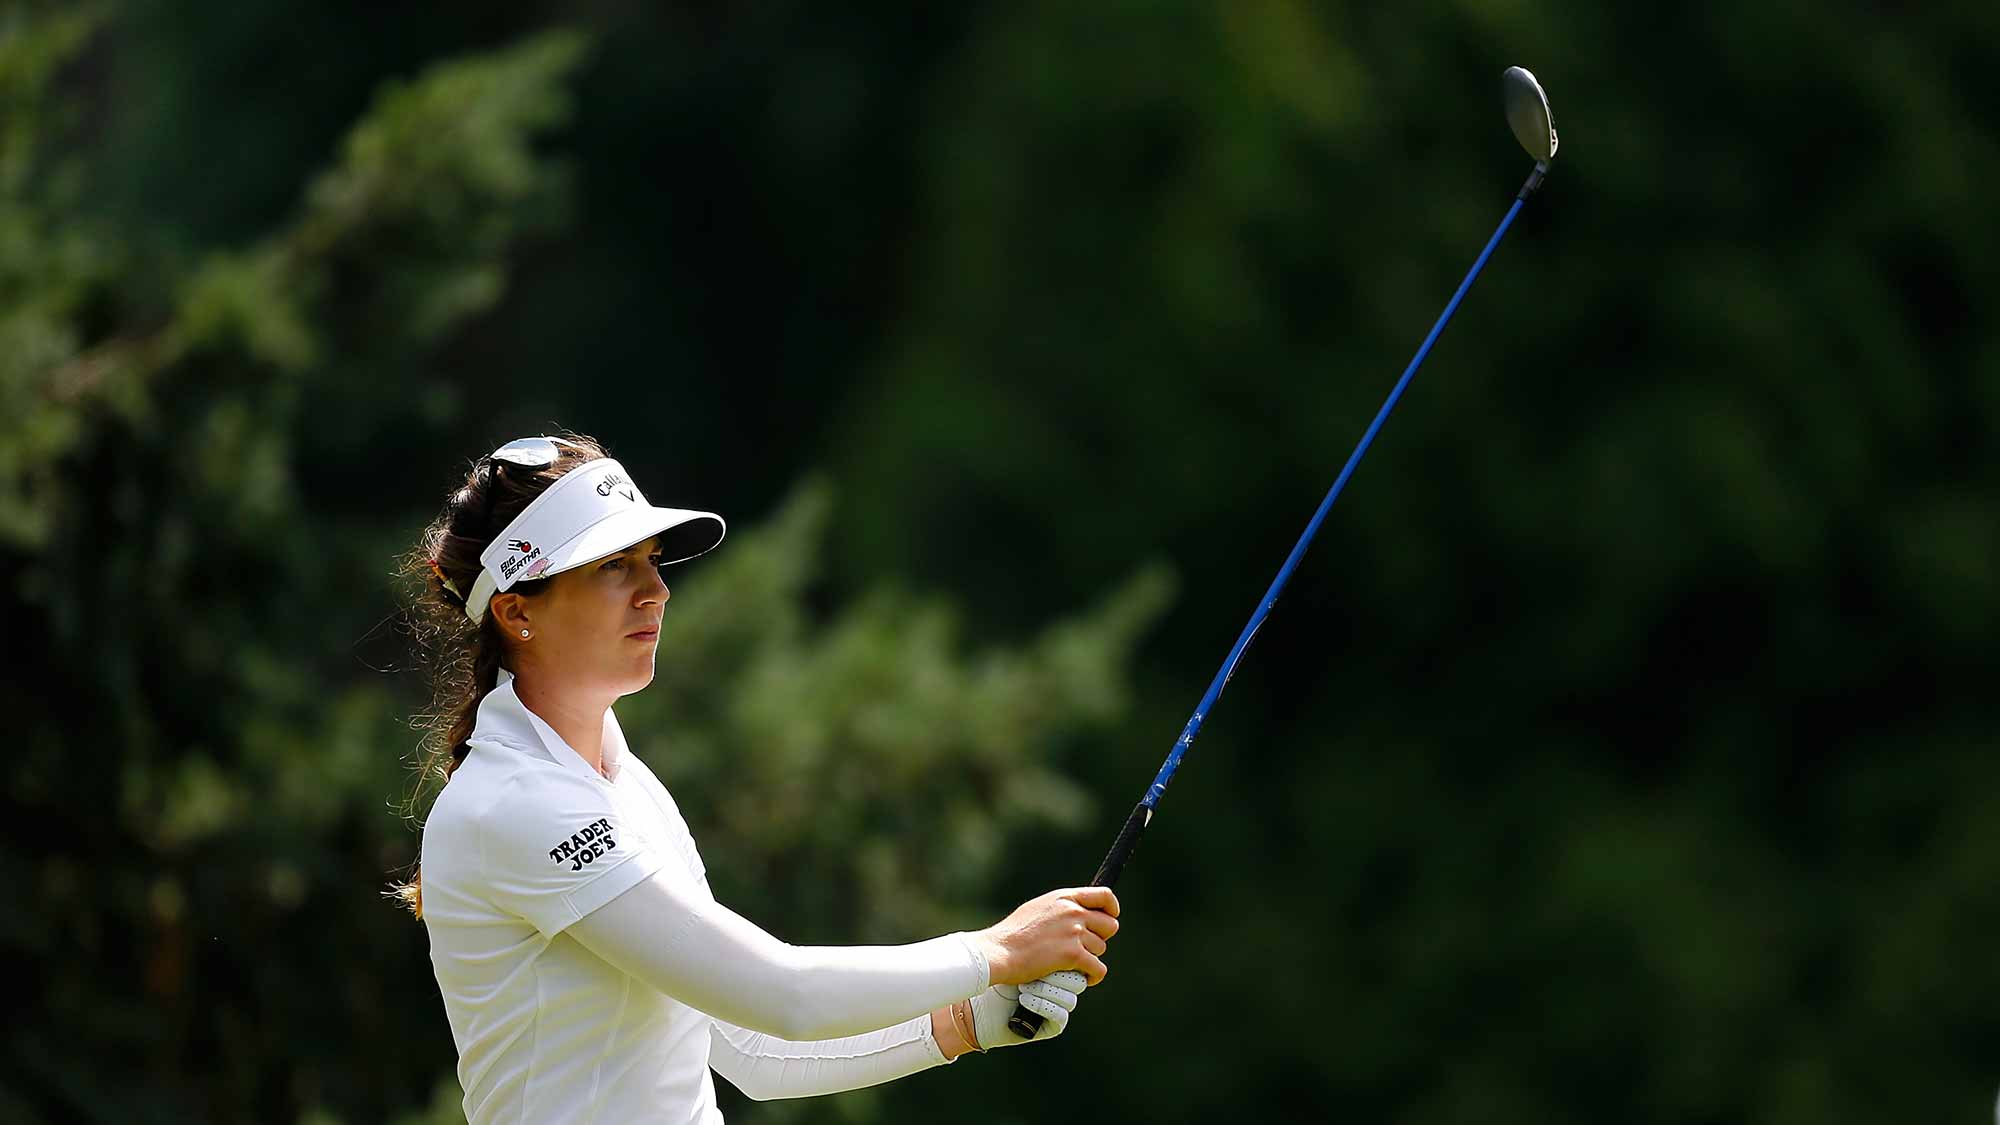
[464,660]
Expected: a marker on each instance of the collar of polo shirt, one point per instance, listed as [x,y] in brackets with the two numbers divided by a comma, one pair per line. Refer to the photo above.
[591,511]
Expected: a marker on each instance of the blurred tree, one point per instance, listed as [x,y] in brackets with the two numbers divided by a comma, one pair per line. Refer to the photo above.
[1654,633]
[1619,753]
[198,793]
[198,801]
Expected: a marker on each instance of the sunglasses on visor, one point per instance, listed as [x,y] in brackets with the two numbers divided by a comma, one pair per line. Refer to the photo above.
[528,453]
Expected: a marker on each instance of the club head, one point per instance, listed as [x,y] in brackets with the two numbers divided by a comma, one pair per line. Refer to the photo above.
[1528,113]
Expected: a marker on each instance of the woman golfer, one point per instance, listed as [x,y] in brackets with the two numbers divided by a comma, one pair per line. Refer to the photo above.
[587,972]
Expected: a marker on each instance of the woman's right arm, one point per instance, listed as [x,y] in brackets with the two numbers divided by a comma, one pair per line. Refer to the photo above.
[683,943]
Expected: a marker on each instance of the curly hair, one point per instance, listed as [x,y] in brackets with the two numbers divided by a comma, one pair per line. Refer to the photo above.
[464,660]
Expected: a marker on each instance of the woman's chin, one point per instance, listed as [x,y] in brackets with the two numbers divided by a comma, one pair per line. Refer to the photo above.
[638,677]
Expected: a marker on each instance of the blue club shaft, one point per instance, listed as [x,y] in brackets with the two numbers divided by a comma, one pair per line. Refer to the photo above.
[1025,1022]
[1159,787]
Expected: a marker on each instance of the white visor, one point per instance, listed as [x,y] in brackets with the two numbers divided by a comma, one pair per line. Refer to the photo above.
[592,511]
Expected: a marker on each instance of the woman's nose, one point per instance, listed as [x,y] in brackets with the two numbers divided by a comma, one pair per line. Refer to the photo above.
[656,590]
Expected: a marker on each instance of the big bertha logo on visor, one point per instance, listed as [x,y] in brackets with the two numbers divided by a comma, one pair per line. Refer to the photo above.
[520,553]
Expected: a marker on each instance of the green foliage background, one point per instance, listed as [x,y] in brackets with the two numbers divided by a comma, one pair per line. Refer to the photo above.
[1621,751]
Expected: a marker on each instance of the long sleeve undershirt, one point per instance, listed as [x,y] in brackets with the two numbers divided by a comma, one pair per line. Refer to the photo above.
[673,936]
[765,1067]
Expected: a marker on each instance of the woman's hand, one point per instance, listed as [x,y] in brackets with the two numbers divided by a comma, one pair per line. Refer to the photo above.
[1065,929]
[1053,999]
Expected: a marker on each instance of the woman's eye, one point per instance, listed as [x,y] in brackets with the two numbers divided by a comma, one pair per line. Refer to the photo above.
[613,563]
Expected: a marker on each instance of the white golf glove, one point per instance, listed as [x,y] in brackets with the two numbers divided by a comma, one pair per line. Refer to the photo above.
[1053,998]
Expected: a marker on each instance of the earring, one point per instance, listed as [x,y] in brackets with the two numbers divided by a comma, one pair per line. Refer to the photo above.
[524,634]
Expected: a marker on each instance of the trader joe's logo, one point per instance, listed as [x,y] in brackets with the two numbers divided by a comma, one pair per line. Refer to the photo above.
[585,846]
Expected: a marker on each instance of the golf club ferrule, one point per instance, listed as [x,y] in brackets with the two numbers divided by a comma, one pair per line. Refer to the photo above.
[1534,180]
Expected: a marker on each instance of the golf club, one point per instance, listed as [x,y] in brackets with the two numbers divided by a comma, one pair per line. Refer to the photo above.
[1527,109]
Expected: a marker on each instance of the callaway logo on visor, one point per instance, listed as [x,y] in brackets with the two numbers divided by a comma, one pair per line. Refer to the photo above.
[611,481]
[521,545]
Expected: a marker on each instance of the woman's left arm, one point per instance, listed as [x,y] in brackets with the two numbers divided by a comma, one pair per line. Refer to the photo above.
[766,1067]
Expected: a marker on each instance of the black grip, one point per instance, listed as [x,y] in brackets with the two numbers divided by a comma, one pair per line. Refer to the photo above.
[1122,847]
[1025,1023]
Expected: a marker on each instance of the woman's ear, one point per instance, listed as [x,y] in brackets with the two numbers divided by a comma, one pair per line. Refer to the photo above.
[510,613]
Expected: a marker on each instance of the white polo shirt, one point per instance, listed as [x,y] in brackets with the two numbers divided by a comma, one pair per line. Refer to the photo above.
[525,840]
